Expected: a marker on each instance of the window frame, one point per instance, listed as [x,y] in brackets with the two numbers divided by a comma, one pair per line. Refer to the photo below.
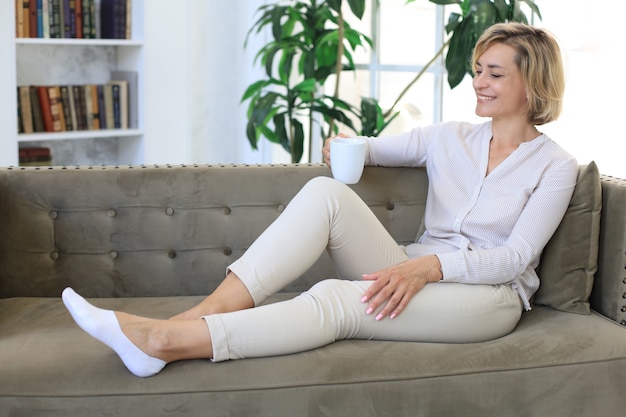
[437,69]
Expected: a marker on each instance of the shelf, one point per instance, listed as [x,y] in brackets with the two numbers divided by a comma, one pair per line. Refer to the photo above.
[77,42]
[82,134]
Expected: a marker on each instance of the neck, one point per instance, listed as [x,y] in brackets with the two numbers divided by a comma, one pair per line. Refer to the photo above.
[512,133]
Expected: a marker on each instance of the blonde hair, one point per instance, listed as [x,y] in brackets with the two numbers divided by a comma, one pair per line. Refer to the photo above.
[538,58]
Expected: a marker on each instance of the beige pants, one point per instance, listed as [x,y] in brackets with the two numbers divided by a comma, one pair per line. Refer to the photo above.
[328,215]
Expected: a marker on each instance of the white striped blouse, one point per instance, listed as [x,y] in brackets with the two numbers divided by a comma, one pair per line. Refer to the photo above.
[486,229]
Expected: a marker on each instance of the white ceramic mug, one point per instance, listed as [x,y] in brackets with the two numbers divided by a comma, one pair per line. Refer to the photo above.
[347,158]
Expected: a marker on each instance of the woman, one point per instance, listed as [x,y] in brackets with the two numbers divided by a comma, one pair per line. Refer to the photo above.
[497,192]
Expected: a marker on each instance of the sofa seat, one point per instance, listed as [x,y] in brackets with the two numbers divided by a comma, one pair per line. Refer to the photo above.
[74,371]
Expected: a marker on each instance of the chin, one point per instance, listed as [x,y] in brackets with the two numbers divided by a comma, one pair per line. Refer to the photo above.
[481,112]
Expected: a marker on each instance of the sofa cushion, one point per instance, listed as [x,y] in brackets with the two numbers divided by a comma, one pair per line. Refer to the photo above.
[569,260]
[56,369]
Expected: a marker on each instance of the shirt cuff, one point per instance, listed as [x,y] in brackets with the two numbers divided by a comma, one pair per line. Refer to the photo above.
[452,266]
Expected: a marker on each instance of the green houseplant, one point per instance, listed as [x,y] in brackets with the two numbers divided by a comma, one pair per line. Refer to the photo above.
[312,40]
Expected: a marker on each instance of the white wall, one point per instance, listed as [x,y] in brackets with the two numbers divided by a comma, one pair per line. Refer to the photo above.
[196,71]
[591,34]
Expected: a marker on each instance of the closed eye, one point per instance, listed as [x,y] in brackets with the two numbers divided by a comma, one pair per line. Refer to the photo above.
[492,75]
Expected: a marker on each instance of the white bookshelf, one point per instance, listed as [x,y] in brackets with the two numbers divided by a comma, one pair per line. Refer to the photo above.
[76,135]
[36,61]
[78,42]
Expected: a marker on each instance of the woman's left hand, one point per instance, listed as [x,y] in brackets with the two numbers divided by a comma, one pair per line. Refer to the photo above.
[394,287]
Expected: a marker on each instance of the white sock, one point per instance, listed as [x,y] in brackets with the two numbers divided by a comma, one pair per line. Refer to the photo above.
[103,325]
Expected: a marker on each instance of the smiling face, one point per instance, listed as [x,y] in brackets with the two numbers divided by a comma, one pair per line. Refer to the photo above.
[498,84]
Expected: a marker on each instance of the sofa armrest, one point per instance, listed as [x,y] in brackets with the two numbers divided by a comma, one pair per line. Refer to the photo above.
[609,291]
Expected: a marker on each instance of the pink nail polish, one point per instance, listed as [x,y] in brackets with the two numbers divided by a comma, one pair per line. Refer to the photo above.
[393,316]
[369,310]
[379,317]
[364,299]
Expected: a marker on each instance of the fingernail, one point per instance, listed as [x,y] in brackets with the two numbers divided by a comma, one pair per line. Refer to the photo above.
[393,316]
[379,316]
[369,310]
[364,299]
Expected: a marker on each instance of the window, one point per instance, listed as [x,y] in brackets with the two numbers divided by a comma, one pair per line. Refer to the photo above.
[407,36]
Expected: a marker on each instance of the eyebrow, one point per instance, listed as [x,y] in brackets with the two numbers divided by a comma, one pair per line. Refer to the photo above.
[490,65]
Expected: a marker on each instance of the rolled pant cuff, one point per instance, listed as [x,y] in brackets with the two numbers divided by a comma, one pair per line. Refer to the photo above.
[218,338]
[250,281]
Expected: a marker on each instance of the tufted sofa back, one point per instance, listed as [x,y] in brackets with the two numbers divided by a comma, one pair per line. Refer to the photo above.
[163,230]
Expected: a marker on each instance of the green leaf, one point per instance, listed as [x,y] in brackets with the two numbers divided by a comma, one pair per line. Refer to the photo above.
[277,27]
[334,114]
[458,51]
[253,138]
[322,73]
[260,23]
[253,89]
[484,16]
[370,112]
[290,24]
[350,66]
[281,132]
[502,10]
[268,133]
[446,2]
[264,106]
[326,53]
[297,148]
[466,7]
[307,64]
[372,119]
[302,98]
[357,7]
[329,37]
[271,113]
[285,66]
[306,85]
[453,21]
[517,14]
[268,59]
[337,102]
[335,5]
[355,38]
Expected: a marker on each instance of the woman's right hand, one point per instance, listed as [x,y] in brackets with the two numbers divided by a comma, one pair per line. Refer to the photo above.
[393,287]
[326,148]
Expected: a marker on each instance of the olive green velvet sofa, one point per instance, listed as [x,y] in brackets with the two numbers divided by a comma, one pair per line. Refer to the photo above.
[153,240]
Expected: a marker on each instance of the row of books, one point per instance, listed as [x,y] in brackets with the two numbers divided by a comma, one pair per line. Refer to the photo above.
[35,156]
[105,19]
[63,108]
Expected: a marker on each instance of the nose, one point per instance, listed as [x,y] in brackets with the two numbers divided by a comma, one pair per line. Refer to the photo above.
[478,81]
